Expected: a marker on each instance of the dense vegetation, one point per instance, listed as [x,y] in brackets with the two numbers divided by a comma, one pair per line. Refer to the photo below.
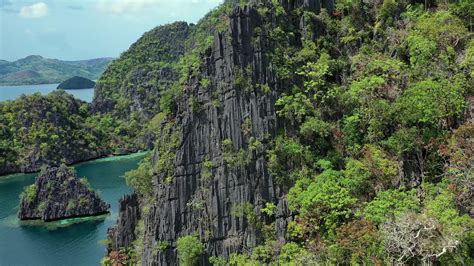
[37,130]
[38,70]
[131,100]
[376,148]
[136,81]
[379,168]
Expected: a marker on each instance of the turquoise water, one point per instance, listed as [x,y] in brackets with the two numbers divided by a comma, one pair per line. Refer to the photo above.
[68,242]
[14,92]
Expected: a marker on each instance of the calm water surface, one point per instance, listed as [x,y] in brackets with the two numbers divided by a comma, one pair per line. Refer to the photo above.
[68,242]
[14,92]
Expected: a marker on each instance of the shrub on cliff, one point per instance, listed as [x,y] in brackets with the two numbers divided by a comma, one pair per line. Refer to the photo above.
[189,248]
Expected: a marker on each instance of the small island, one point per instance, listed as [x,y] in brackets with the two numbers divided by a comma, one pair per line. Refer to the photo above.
[76,83]
[59,194]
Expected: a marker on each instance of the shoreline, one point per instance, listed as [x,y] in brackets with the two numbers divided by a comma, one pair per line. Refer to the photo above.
[104,158]
[64,218]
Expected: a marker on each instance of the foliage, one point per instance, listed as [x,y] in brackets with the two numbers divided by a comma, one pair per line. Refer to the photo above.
[294,107]
[390,204]
[316,75]
[368,100]
[323,199]
[71,205]
[206,172]
[165,148]
[29,193]
[233,157]
[59,128]
[431,103]
[245,210]
[141,178]
[269,209]
[189,248]
[293,253]
[194,104]
[85,182]
[217,261]
[370,141]
[41,70]
[242,81]
[286,154]
[359,243]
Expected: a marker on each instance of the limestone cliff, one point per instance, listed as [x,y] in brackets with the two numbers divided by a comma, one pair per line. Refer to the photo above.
[221,181]
[178,209]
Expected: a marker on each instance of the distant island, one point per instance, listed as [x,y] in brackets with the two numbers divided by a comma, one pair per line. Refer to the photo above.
[76,83]
[35,69]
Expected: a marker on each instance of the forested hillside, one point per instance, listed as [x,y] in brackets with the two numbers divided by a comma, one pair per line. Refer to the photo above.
[300,134]
[39,130]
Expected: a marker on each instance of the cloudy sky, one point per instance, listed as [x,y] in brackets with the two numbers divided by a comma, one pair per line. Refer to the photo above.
[83,29]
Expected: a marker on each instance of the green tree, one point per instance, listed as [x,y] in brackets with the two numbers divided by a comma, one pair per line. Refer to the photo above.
[390,204]
[141,178]
[189,248]
[431,102]
[324,200]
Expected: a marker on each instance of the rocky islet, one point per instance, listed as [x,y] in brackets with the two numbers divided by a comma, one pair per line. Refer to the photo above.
[59,194]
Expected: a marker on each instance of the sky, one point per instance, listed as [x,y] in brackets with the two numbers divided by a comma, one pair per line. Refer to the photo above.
[85,29]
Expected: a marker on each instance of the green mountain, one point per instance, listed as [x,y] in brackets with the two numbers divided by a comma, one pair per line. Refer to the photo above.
[35,69]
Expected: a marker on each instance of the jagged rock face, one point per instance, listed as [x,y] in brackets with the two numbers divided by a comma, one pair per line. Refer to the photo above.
[123,234]
[226,110]
[57,194]
[177,211]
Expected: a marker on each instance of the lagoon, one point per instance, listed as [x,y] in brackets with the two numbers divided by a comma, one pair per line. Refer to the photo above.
[67,242]
[14,92]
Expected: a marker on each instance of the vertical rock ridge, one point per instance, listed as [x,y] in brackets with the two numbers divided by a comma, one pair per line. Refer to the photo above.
[193,204]
[235,111]
[123,233]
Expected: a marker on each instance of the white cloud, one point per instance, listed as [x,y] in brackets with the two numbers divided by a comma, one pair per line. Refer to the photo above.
[134,6]
[125,6]
[37,10]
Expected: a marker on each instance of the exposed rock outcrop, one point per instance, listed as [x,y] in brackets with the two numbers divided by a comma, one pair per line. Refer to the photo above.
[76,83]
[123,234]
[58,194]
[177,212]
[193,204]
